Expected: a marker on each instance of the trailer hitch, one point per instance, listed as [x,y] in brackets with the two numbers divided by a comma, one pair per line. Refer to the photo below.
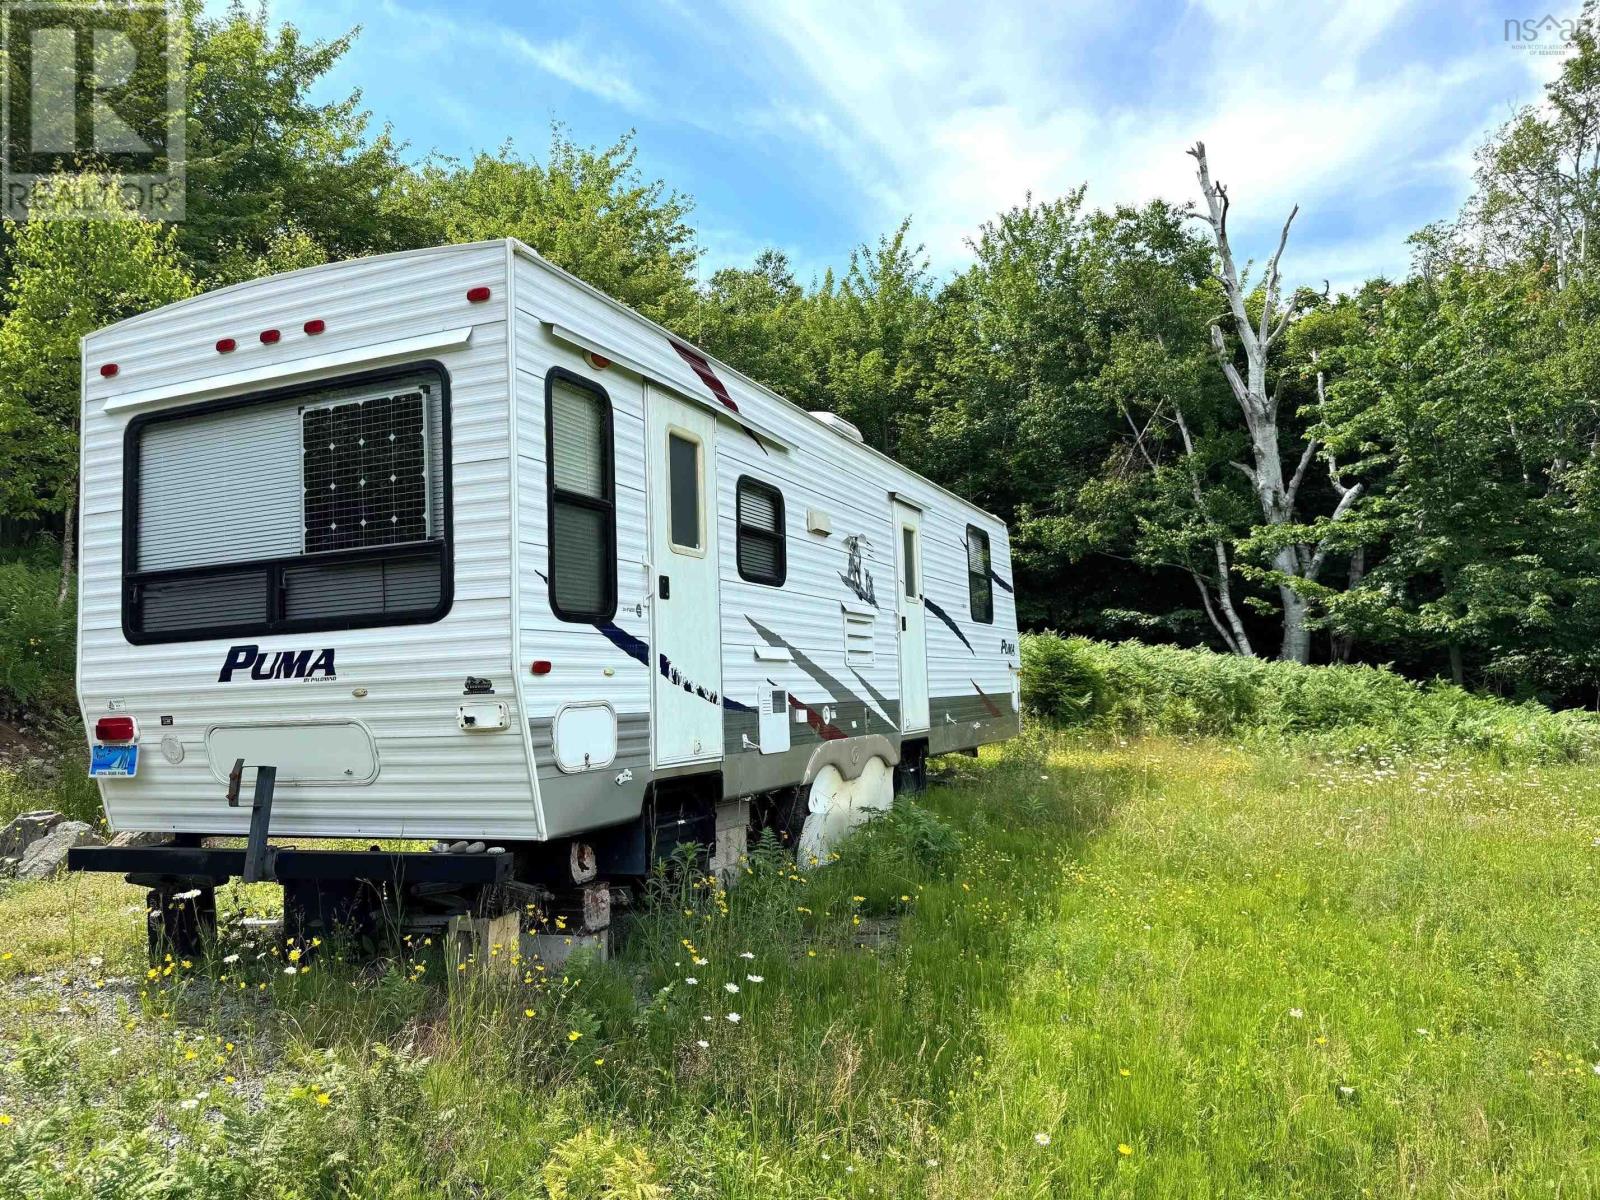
[258,855]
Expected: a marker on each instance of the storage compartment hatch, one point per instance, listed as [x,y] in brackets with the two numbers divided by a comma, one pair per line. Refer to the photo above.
[321,752]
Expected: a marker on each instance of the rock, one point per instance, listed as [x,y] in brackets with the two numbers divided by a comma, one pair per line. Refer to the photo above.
[26,829]
[49,854]
[138,837]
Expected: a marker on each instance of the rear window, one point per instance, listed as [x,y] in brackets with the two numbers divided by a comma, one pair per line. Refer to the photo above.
[321,507]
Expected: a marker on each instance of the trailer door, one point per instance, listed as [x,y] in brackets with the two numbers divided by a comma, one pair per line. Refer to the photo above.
[913,638]
[687,643]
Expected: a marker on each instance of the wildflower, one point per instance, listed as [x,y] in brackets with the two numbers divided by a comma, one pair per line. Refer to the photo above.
[188,1104]
[229,1079]
[859,899]
[288,971]
[756,978]
[1124,1072]
[1042,1139]
[1124,1149]
[690,980]
[323,1099]
[1422,1032]
[528,1012]
[232,958]
[5,1118]
[746,954]
[811,953]
[702,962]
[730,988]
[734,1018]
[1297,1013]
[574,1036]
[703,1044]
[294,955]
[599,1062]
[1322,1039]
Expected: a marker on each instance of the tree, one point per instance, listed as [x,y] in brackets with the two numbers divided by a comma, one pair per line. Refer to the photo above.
[265,162]
[70,275]
[1292,560]
[587,210]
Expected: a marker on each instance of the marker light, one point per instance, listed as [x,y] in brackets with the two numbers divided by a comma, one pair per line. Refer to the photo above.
[108,370]
[113,729]
[540,666]
[269,336]
[477,295]
[316,326]
[226,345]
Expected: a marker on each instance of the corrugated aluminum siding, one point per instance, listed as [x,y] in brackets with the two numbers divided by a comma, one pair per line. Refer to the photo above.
[434,779]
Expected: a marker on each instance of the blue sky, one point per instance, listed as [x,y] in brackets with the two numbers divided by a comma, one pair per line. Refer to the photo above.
[815,126]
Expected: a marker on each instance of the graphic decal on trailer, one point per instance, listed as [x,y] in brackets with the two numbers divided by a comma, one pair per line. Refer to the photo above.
[994,709]
[638,649]
[702,368]
[831,685]
[856,577]
[945,617]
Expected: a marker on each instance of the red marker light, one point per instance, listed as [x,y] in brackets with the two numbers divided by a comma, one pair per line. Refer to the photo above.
[316,326]
[598,361]
[108,370]
[113,729]
[541,666]
[226,346]
[269,336]
[477,295]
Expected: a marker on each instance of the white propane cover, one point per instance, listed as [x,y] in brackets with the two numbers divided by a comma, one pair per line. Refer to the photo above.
[585,736]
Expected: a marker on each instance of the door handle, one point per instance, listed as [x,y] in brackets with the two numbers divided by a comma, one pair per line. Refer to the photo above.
[902,624]
[663,587]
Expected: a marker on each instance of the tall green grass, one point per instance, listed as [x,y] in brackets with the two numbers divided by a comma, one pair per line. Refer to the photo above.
[1081,966]
[1134,688]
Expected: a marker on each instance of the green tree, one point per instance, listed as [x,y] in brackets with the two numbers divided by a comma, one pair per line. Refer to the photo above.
[70,275]
[587,210]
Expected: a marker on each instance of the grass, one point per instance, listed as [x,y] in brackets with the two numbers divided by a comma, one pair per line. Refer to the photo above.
[1085,965]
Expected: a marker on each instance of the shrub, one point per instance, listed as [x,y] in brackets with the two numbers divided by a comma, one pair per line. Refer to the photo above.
[1136,688]
[1060,678]
[36,635]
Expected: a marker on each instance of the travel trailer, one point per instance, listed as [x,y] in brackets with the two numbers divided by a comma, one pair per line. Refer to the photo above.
[448,545]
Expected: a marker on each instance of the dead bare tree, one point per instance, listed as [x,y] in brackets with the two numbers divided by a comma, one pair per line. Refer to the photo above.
[1292,560]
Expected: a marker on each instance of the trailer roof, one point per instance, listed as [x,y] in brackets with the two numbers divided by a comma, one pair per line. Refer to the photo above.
[528,252]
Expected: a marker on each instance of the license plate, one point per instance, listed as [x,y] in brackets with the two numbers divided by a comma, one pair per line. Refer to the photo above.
[114,761]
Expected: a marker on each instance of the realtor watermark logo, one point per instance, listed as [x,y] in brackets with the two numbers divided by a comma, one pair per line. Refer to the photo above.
[1548,34]
[91,103]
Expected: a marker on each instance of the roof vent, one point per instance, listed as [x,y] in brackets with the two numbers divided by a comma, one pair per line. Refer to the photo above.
[839,425]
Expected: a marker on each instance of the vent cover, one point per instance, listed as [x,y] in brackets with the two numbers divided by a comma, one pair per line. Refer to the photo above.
[365,473]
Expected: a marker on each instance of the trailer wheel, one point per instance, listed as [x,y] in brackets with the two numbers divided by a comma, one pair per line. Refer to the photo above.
[180,923]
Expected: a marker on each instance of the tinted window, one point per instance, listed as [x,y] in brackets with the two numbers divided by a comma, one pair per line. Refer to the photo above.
[683,479]
[583,552]
[763,553]
[908,559]
[980,585]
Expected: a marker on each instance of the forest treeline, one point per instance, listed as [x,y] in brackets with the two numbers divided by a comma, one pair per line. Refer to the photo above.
[1187,449]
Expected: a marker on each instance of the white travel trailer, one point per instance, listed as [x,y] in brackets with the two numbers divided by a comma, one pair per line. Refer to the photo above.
[465,550]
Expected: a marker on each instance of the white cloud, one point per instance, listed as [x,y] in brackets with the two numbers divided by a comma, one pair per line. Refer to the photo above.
[954,113]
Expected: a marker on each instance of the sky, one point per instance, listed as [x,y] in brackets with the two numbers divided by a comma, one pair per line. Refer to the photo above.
[815,127]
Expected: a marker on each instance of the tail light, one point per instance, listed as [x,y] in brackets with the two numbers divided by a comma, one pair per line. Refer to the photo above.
[114,729]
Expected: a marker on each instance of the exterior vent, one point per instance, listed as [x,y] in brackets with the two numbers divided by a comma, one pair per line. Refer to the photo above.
[839,425]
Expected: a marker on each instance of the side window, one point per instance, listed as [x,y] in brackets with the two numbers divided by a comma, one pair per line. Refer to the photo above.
[583,526]
[980,586]
[763,554]
[908,559]
[683,491]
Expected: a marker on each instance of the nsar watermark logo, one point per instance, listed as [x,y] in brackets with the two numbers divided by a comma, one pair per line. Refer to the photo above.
[91,100]
[1548,34]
